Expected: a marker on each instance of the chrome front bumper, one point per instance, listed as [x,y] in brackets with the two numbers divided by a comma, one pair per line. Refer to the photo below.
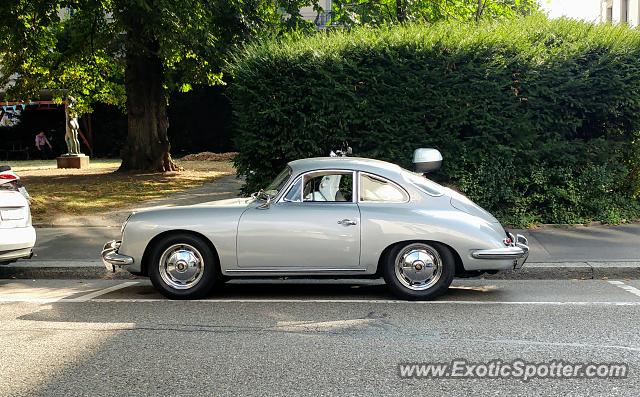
[111,258]
[518,251]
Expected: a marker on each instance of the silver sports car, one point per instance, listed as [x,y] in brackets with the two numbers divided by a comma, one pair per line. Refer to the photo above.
[330,216]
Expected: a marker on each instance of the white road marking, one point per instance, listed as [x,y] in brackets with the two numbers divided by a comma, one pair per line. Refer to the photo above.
[28,299]
[626,287]
[296,326]
[88,297]
[44,294]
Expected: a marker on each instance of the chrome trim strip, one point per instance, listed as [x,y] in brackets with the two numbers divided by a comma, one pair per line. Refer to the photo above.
[283,199]
[292,270]
[499,253]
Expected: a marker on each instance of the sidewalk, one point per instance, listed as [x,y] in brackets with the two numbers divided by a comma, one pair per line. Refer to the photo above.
[70,248]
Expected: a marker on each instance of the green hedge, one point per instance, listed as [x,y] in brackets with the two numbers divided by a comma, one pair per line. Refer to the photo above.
[537,120]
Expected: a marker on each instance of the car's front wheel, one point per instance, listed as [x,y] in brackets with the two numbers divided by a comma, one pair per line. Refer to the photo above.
[418,270]
[182,266]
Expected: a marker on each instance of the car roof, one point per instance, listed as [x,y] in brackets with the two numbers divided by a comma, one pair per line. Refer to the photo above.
[349,163]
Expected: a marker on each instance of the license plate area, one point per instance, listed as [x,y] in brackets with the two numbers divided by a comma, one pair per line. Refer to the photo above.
[12,214]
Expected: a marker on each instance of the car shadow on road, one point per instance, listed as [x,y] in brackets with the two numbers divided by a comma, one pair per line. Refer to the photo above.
[305,289]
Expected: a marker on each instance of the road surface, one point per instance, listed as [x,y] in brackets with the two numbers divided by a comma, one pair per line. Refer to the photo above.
[119,337]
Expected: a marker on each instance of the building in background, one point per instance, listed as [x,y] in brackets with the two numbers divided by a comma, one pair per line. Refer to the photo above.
[620,11]
[584,10]
[321,20]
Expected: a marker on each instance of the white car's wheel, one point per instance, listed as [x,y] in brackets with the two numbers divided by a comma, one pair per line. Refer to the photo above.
[182,266]
[419,270]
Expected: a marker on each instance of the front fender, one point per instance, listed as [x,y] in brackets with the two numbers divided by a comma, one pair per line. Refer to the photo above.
[218,224]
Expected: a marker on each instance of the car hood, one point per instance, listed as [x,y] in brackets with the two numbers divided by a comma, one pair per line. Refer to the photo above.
[240,202]
[233,202]
[228,205]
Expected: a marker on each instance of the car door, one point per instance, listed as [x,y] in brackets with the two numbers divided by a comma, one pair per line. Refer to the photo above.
[315,227]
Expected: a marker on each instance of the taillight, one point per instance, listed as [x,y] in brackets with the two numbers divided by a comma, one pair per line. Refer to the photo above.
[9,177]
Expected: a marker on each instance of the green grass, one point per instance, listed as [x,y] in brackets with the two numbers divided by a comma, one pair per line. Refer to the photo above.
[99,189]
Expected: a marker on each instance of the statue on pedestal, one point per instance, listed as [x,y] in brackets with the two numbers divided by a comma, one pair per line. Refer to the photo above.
[73,158]
[72,130]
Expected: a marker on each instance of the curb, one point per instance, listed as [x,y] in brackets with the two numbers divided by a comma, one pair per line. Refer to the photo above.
[70,270]
[530,271]
[67,225]
[571,270]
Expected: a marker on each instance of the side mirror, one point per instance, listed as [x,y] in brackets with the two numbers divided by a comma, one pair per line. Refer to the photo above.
[426,160]
[269,195]
[266,204]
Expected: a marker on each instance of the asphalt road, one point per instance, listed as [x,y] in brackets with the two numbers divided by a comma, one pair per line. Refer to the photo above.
[104,337]
[578,244]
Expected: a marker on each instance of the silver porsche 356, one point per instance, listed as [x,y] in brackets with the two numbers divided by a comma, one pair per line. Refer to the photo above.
[329,216]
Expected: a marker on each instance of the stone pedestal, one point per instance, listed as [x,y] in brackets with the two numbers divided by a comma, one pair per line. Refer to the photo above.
[73,161]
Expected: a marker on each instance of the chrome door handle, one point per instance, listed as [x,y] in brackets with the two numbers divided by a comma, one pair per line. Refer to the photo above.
[348,222]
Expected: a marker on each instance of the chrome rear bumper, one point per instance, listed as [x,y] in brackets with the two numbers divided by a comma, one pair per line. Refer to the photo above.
[111,258]
[518,251]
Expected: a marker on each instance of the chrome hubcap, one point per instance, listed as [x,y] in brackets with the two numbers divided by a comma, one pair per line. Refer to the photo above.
[418,266]
[181,266]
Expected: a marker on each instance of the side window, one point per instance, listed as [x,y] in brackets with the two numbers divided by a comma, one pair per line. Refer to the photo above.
[294,195]
[376,189]
[328,186]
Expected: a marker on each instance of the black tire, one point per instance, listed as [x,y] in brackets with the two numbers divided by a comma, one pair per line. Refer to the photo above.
[183,244]
[434,287]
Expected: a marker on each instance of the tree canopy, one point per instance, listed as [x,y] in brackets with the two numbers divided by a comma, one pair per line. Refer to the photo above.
[378,12]
[131,53]
[77,47]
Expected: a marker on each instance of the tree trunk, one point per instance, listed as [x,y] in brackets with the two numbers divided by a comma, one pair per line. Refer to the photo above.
[147,147]
[479,10]
[401,13]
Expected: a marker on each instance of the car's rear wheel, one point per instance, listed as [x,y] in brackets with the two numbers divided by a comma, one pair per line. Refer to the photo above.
[182,266]
[419,270]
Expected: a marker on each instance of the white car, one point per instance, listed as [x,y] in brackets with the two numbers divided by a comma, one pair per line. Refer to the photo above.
[17,235]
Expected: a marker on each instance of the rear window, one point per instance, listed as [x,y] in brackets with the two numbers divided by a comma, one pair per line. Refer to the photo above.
[377,189]
[424,184]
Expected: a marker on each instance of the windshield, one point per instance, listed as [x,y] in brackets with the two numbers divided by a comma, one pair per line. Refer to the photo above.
[279,181]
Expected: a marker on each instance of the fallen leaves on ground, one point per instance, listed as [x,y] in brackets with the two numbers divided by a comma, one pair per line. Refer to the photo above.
[99,188]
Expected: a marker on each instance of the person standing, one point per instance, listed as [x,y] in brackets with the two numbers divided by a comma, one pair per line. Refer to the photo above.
[43,145]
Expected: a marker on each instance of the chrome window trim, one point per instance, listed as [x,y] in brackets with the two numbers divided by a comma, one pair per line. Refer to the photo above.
[387,180]
[354,177]
[291,186]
